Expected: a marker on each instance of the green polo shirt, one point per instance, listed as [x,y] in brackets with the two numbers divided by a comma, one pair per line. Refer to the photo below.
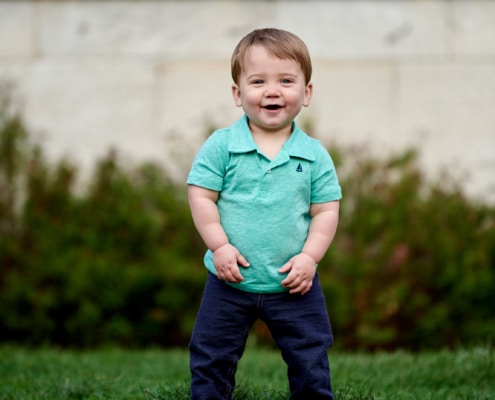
[264,204]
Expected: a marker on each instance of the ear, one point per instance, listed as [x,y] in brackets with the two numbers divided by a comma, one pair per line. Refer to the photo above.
[308,94]
[236,94]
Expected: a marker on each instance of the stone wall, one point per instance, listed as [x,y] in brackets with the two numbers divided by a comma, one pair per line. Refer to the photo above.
[149,77]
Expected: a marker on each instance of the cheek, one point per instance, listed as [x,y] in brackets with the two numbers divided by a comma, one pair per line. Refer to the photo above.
[250,97]
[296,99]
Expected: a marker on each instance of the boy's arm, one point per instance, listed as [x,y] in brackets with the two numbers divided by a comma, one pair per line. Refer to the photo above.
[205,215]
[302,267]
[206,218]
[325,218]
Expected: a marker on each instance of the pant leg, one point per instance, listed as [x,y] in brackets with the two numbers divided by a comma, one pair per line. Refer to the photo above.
[301,328]
[218,340]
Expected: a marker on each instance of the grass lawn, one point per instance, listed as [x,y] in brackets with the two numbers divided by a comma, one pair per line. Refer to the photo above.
[29,374]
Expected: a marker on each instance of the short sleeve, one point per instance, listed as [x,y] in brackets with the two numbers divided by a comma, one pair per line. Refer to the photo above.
[208,167]
[325,185]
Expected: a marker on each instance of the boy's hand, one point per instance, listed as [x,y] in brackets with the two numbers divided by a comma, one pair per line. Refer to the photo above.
[227,260]
[302,271]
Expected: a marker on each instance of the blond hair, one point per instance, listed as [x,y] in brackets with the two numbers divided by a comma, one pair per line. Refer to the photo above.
[282,44]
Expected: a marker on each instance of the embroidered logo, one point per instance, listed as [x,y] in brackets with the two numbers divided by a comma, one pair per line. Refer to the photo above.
[299,168]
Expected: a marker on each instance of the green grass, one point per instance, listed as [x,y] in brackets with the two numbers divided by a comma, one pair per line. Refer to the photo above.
[163,374]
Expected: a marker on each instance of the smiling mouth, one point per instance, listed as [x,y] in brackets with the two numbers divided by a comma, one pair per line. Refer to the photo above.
[273,107]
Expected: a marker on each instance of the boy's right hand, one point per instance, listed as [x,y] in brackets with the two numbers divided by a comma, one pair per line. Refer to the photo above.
[227,260]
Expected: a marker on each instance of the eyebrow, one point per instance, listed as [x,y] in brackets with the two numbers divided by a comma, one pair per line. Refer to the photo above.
[260,74]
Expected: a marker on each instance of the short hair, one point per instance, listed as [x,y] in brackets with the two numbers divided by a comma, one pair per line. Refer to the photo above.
[282,44]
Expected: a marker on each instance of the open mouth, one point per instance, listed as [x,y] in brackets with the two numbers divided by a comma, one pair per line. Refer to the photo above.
[273,107]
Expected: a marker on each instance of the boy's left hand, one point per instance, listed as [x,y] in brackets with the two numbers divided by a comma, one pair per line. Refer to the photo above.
[302,270]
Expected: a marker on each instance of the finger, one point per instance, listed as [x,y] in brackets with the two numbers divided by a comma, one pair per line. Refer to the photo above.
[296,289]
[294,282]
[290,281]
[225,274]
[307,287]
[222,274]
[242,261]
[235,274]
[302,289]
[286,267]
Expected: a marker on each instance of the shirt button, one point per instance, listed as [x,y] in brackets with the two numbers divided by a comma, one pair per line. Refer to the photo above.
[269,171]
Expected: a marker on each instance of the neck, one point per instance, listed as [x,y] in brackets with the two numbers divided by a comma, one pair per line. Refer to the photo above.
[270,143]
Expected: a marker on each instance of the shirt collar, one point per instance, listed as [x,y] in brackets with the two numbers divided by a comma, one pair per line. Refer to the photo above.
[299,144]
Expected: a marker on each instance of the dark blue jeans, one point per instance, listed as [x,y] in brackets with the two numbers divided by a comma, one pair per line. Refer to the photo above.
[299,325]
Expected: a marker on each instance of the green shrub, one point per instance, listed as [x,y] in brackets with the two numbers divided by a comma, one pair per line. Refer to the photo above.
[413,261]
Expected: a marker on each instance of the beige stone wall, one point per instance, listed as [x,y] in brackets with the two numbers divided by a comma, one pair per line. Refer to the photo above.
[148,77]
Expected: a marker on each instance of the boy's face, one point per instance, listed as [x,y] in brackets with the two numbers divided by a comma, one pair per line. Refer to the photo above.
[271,90]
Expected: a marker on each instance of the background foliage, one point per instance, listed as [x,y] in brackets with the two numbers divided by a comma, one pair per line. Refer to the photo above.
[119,262]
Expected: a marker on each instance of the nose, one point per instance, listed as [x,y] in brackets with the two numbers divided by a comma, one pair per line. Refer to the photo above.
[272,90]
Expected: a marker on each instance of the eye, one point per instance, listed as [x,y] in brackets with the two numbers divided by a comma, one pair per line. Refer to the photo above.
[257,82]
[286,81]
